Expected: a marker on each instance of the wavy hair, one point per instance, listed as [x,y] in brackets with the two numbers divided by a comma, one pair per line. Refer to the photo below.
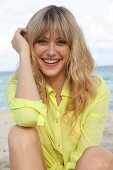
[79,69]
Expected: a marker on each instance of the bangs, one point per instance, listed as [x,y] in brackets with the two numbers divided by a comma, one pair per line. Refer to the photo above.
[52,23]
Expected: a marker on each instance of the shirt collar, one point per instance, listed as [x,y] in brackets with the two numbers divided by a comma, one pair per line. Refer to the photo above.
[65,89]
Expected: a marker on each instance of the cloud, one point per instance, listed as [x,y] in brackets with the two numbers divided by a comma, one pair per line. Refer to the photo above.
[99,32]
[95,18]
[107,45]
[109,14]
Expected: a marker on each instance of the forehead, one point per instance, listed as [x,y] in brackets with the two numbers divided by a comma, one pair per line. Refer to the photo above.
[52,31]
[55,35]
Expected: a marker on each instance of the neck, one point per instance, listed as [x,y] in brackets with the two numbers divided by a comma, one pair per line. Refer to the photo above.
[56,83]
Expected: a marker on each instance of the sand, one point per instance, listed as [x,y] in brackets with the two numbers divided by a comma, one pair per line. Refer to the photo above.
[6,123]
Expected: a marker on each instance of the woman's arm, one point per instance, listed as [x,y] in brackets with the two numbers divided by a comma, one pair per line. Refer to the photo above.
[27,109]
[26,87]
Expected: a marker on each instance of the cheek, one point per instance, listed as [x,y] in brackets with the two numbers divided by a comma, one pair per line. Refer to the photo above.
[37,53]
[66,53]
[38,49]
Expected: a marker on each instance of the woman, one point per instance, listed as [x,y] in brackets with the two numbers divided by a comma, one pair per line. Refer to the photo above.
[59,106]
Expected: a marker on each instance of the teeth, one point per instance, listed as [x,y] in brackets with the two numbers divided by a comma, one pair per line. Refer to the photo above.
[51,61]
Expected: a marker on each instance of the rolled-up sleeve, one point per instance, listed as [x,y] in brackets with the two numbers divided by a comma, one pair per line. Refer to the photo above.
[24,112]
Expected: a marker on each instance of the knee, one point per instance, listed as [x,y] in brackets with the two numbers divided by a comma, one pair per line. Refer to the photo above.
[99,158]
[21,138]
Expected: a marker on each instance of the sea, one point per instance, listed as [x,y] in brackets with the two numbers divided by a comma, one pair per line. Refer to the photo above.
[106,72]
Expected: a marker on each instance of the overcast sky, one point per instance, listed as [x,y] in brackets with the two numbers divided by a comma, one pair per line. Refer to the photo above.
[94,16]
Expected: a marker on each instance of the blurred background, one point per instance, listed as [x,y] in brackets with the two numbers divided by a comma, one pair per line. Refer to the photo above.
[95,18]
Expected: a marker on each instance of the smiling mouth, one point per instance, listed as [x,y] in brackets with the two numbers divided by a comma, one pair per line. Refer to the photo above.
[51,62]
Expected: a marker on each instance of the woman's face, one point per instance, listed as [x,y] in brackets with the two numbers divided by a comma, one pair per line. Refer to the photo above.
[52,55]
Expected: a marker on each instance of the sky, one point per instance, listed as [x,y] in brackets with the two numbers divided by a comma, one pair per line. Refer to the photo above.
[95,17]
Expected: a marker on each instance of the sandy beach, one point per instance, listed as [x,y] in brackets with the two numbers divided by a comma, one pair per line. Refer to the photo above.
[6,123]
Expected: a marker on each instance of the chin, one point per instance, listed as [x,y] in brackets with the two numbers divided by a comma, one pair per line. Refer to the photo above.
[50,74]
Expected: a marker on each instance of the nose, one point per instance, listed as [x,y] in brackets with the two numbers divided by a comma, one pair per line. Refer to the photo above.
[51,49]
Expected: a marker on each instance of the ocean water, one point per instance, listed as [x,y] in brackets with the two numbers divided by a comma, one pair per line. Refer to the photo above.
[104,71]
[4,78]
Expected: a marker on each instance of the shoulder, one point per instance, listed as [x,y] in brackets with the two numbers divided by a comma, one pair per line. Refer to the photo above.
[12,80]
[12,83]
[102,88]
[98,107]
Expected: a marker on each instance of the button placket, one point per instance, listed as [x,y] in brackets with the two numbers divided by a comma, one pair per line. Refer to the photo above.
[56,120]
[57,130]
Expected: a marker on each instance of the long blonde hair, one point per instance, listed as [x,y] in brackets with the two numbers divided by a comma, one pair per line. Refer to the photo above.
[80,65]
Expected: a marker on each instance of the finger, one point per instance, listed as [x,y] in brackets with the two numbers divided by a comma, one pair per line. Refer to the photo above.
[21,30]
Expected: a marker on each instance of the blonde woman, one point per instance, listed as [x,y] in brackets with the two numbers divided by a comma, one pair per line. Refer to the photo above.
[58,104]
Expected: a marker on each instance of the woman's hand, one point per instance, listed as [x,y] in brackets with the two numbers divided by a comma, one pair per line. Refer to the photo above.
[19,43]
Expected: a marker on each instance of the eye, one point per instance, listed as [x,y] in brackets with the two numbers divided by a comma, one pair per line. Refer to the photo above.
[42,41]
[61,42]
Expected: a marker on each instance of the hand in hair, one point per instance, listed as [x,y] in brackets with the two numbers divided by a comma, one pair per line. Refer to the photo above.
[19,43]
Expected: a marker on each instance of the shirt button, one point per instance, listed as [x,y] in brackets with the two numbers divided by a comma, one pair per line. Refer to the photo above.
[55,110]
[56,120]
[58,145]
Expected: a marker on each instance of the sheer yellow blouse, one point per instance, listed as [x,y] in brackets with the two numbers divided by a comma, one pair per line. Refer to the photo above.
[61,147]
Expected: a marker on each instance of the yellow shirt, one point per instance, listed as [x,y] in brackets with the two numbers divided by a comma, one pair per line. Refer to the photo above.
[61,148]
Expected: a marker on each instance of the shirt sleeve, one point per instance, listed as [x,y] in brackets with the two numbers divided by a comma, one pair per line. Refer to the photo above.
[93,126]
[24,112]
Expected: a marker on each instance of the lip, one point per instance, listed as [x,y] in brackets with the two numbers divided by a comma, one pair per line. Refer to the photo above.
[50,58]
[51,62]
